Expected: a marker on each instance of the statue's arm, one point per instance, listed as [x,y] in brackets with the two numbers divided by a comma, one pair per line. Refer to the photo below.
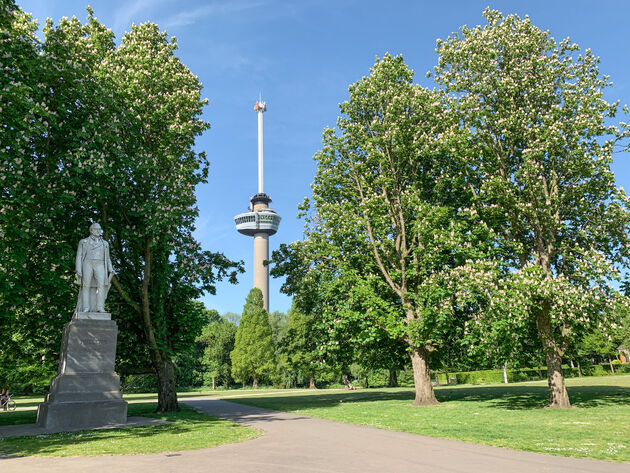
[108,260]
[79,260]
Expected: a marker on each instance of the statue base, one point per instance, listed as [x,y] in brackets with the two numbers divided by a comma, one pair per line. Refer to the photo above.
[93,315]
[86,391]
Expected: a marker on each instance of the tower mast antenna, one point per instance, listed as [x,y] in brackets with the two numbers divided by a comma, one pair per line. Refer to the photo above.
[260,107]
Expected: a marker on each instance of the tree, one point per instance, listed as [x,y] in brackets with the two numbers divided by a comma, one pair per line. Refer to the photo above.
[218,341]
[189,367]
[301,346]
[253,354]
[148,200]
[96,133]
[599,343]
[279,322]
[232,317]
[538,162]
[390,212]
[51,103]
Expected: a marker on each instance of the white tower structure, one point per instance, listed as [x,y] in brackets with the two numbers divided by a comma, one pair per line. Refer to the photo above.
[260,222]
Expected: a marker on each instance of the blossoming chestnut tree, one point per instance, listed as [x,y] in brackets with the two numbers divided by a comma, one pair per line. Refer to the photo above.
[538,157]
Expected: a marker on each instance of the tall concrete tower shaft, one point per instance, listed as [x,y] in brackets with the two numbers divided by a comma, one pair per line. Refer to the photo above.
[261,221]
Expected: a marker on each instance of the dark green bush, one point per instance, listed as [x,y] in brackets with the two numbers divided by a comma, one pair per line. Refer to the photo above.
[138,383]
[514,376]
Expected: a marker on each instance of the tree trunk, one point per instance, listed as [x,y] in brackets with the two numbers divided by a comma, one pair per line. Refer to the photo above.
[422,378]
[505,379]
[612,368]
[571,363]
[448,379]
[162,363]
[255,386]
[367,382]
[393,379]
[167,389]
[539,372]
[311,381]
[558,396]
[579,369]
[213,383]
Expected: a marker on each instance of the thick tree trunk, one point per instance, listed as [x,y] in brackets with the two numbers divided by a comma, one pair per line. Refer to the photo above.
[311,381]
[162,363]
[393,379]
[255,386]
[422,378]
[167,389]
[558,396]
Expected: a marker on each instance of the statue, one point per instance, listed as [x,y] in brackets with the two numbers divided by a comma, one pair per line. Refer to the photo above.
[94,271]
[85,393]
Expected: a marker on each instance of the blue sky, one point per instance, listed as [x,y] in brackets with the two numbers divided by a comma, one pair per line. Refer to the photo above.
[302,55]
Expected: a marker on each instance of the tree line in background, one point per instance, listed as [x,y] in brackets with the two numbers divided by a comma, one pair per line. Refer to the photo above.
[283,351]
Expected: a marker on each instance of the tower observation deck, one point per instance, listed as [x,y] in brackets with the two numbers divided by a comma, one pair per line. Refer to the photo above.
[261,221]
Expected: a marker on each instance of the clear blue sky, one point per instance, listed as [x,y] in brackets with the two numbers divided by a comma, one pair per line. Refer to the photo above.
[302,55]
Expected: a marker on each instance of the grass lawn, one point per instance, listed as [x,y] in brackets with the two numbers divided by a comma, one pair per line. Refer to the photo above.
[189,430]
[502,415]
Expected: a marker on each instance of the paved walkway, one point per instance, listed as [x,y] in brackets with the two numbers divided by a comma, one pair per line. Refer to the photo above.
[296,444]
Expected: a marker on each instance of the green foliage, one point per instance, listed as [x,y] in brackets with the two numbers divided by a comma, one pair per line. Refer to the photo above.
[217,339]
[300,348]
[279,322]
[597,342]
[518,375]
[253,354]
[137,383]
[538,155]
[389,228]
[99,133]
[50,102]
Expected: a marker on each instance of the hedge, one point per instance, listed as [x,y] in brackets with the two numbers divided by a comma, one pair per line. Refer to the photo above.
[514,376]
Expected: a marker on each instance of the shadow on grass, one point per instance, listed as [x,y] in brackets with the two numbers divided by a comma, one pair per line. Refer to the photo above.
[18,417]
[502,397]
[181,422]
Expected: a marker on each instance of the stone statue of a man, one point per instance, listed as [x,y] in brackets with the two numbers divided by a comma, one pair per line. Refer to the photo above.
[94,271]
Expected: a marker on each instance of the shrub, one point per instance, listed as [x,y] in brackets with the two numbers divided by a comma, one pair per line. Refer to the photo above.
[138,383]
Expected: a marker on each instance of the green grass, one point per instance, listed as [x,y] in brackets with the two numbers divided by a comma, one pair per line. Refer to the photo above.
[187,430]
[509,416]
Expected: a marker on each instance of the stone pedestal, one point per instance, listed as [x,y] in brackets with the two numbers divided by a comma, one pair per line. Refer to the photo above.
[86,391]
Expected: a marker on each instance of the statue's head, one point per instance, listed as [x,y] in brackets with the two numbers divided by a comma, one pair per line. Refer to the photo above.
[95,229]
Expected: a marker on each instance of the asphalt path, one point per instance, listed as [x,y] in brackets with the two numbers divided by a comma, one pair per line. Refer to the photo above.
[296,444]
